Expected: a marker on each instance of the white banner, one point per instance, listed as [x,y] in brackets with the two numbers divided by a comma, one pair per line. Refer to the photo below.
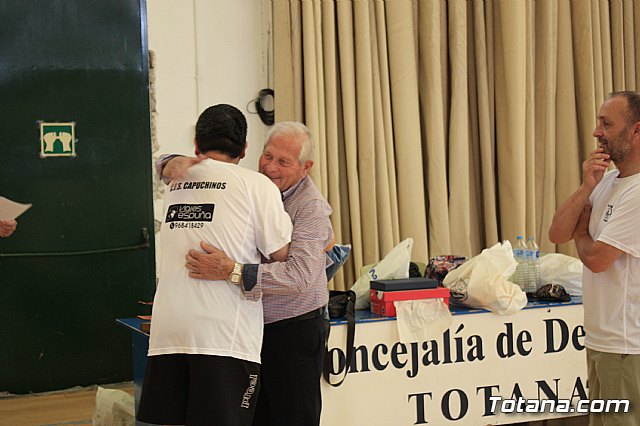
[534,354]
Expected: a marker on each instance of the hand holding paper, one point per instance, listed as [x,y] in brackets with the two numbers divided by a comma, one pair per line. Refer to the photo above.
[9,211]
[7,227]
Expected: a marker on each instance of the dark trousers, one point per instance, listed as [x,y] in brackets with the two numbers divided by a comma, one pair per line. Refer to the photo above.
[182,389]
[292,352]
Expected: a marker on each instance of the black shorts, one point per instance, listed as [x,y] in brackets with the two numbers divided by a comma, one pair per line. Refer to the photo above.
[182,389]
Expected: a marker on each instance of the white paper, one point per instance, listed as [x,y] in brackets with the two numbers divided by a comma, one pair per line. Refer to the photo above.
[422,320]
[10,210]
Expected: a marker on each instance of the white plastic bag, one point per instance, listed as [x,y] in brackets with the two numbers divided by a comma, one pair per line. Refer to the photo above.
[556,268]
[483,282]
[422,320]
[394,265]
[114,407]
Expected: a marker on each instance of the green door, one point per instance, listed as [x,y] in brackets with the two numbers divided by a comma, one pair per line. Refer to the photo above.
[74,142]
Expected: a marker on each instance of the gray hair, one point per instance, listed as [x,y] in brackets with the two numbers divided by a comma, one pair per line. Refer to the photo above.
[297,130]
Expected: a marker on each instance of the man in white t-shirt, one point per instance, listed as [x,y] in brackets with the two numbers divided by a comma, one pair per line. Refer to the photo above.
[205,340]
[602,217]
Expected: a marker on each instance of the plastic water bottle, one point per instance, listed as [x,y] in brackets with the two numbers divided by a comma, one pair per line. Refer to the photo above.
[532,256]
[519,277]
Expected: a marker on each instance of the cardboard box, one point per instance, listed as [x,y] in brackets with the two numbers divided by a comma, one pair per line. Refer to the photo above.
[382,301]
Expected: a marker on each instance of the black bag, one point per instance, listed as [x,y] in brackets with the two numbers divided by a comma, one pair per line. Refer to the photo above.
[338,302]
[414,270]
[341,303]
[550,293]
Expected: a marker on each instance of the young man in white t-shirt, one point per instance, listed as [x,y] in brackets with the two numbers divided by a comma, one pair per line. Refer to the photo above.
[205,340]
[602,218]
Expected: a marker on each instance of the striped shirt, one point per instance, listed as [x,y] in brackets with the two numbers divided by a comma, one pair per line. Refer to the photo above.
[299,285]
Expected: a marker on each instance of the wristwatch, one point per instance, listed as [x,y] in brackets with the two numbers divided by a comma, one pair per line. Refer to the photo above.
[236,275]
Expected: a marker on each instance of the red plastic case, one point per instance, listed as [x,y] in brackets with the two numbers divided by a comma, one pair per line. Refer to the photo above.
[382,301]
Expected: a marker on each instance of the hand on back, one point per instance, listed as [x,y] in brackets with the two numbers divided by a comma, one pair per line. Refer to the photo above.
[177,167]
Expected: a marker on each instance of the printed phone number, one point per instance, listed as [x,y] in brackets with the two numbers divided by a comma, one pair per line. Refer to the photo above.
[181,225]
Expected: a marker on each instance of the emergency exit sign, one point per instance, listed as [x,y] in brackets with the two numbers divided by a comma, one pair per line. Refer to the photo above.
[57,139]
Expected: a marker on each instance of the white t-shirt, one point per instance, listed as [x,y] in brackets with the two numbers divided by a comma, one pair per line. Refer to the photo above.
[612,298]
[239,211]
